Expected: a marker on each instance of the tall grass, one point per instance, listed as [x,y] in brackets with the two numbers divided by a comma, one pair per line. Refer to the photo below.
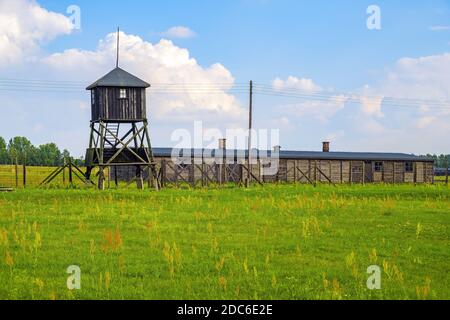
[276,242]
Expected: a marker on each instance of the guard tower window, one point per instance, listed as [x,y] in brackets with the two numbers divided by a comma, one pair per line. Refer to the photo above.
[93,97]
[123,94]
[409,167]
[378,166]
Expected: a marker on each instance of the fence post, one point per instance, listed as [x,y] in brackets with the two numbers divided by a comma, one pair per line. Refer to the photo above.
[17,173]
[163,173]
[446,171]
[149,178]
[109,177]
[364,172]
[315,171]
[70,172]
[350,173]
[24,168]
[64,171]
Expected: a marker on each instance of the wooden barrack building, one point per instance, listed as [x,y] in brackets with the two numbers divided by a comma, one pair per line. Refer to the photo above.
[230,166]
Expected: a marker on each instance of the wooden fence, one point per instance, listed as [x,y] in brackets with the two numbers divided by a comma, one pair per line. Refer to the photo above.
[12,176]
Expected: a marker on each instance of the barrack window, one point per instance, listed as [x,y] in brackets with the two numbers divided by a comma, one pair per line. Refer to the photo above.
[378,166]
[409,167]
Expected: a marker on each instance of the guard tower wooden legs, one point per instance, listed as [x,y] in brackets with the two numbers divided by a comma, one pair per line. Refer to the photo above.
[139,179]
[101,178]
[107,149]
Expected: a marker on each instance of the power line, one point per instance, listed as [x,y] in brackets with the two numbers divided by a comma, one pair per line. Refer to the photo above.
[57,86]
[349,97]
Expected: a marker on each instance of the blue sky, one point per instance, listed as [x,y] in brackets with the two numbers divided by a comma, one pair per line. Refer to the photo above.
[260,39]
[326,42]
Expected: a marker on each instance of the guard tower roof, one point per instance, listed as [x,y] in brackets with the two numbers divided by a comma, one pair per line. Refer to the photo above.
[119,78]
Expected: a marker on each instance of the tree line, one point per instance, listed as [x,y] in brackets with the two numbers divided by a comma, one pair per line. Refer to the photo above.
[21,151]
[440,161]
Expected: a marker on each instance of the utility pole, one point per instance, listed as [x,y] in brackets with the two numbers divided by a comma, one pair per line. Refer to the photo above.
[250,127]
[118,43]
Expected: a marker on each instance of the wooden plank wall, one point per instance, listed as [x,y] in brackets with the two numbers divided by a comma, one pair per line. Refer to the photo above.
[399,171]
[291,171]
[107,104]
[420,172]
[429,172]
[357,171]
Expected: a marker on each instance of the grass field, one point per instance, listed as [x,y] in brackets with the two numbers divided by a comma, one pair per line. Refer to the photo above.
[276,242]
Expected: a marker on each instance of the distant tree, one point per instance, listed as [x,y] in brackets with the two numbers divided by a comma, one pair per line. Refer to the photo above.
[49,155]
[3,152]
[445,161]
[66,155]
[440,161]
[19,148]
[79,162]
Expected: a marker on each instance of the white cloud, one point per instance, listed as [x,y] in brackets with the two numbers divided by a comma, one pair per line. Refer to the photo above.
[159,63]
[424,122]
[83,105]
[335,136]
[417,126]
[418,78]
[321,109]
[371,127]
[439,28]
[179,32]
[291,82]
[24,26]
[318,110]
[372,106]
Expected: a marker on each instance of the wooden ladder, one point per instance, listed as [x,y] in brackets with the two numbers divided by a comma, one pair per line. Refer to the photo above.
[109,138]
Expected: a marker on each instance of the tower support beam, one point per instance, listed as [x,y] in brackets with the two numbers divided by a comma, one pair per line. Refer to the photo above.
[109,149]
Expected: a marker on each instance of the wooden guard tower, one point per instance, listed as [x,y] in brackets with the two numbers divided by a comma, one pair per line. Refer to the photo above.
[119,127]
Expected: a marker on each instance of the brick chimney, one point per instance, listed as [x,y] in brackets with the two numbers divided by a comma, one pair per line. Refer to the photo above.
[325,146]
[222,144]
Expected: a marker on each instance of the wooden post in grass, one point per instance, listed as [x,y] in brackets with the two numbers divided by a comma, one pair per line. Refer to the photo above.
[163,173]
[315,172]
[70,172]
[149,179]
[446,171]
[393,172]
[16,167]
[109,177]
[24,168]
[350,173]
[64,171]
[364,173]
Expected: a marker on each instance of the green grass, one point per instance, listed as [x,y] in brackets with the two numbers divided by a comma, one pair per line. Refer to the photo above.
[440,178]
[276,242]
